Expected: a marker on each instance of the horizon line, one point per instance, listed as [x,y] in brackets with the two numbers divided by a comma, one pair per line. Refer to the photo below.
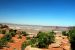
[33,24]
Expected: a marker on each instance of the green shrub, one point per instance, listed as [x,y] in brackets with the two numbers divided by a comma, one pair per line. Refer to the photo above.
[12,41]
[27,38]
[3,43]
[64,33]
[20,37]
[0,31]
[3,31]
[42,40]
[33,42]
[3,26]
[71,35]
[7,37]
[12,32]
[51,36]
[24,44]
[24,33]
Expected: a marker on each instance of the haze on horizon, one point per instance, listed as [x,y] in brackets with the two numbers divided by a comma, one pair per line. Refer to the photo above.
[38,12]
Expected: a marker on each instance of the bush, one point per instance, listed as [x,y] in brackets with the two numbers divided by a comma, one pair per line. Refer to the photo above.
[12,32]
[51,36]
[7,37]
[3,31]
[32,42]
[24,44]
[42,40]
[12,41]
[20,37]
[71,35]
[27,38]
[3,43]
[64,33]
[0,31]
[3,26]
[24,33]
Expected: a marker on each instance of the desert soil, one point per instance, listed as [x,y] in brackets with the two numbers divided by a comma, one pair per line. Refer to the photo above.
[61,43]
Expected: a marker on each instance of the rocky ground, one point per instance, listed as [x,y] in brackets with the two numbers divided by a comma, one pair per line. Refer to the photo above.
[61,43]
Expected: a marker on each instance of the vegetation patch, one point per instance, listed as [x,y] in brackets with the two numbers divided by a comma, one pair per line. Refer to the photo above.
[42,40]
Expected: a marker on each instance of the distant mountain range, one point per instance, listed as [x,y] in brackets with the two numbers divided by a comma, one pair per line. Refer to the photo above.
[35,27]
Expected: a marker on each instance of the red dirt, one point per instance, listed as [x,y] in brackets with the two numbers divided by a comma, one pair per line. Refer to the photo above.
[17,43]
[1,35]
[55,49]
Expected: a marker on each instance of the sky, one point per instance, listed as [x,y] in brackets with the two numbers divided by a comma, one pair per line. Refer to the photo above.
[38,12]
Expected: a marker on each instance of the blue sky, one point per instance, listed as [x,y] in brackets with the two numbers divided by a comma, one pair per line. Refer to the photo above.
[38,12]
